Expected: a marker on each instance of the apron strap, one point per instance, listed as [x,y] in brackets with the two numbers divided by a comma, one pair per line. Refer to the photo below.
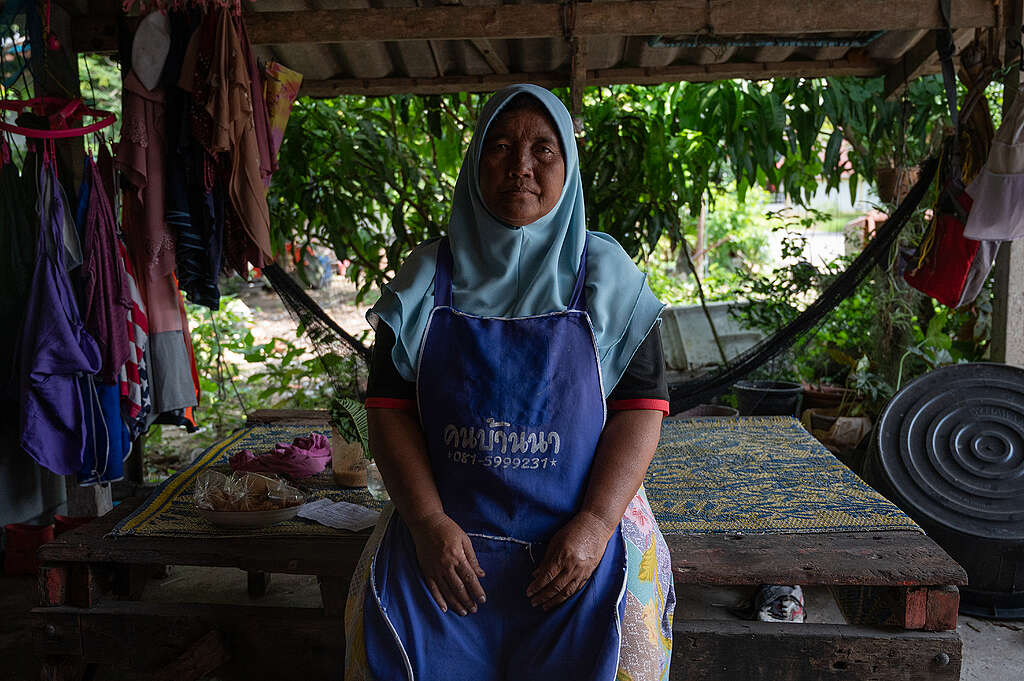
[443,275]
[443,278]
[579,297]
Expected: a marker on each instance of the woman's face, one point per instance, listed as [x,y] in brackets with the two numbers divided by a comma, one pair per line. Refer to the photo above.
[521,167]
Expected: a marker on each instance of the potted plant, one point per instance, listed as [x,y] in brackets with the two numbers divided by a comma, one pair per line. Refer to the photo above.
[350,449]
[884,141]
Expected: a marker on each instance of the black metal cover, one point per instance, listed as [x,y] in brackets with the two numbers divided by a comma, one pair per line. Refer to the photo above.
[951,450]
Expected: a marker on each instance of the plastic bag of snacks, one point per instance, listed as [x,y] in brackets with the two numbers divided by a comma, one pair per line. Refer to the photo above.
[215,491]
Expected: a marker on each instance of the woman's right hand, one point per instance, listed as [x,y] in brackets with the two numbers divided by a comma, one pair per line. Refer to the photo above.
[448,562]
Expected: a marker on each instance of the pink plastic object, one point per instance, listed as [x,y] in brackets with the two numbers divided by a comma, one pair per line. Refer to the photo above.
[59,112]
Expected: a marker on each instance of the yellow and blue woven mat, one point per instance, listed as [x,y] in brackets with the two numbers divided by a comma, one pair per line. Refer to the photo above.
[170,512]
[758,475]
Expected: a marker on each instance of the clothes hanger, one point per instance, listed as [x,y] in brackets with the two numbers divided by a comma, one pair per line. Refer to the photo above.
[60,113]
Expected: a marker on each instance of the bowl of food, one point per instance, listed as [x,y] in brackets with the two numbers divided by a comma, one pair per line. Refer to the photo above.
[245,500]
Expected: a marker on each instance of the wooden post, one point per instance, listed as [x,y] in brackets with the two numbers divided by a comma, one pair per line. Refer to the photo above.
[59,78]
[1008,292]
[577,82]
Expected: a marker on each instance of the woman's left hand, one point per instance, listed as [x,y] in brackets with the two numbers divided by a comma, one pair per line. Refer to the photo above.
[571,557]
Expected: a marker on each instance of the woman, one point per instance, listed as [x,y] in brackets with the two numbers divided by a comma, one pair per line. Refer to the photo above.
[523,546]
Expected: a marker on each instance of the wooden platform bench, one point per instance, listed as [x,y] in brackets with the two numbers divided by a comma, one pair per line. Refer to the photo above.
[898,589]
[896,618]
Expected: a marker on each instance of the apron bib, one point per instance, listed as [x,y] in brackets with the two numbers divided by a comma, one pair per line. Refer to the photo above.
[512,410]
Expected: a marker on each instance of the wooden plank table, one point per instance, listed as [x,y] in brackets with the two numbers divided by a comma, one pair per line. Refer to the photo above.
[898,590]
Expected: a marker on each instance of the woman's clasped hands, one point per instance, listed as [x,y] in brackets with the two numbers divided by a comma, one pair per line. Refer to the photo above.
[452,573]
[449,564]
[570,559]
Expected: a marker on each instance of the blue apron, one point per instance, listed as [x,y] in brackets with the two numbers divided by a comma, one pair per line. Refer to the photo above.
[512,410]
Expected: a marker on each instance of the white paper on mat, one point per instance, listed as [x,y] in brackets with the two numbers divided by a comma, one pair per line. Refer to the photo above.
[339,515]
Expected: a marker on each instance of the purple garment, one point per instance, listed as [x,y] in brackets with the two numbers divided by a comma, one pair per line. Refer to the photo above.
[56,350]
[107,298]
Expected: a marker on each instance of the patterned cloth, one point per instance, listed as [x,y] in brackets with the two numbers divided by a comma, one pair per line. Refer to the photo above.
[134,377]
[170,512]
[646,649]
[281,86]
[759,475]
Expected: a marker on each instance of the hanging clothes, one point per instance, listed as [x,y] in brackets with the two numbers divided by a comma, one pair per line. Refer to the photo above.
[217,76]
[107,300]
[140,158]
[82,208]
[133,379]
[107,440]
[57,355]
[71,243]
[168,356]
[260,119]
[194,210]
[150,45]
[998,212]
[151,251]
[107,168]
[281,90]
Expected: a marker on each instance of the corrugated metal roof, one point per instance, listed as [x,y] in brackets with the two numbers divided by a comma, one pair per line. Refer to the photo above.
[379,46]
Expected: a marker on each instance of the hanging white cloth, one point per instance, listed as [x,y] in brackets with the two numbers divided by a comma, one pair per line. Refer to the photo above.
[998,211]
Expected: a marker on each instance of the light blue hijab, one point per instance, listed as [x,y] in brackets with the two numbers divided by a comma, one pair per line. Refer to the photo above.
[506,271]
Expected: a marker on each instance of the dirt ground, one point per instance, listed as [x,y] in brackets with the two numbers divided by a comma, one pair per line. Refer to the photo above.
[337,299]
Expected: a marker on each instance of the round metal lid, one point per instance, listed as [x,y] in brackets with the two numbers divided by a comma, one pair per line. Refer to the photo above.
[951,447]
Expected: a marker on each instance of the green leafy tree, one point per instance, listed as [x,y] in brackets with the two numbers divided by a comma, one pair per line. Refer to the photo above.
[373,177]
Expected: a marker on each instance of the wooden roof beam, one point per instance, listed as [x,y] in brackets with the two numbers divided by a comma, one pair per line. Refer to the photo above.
[613,76]
[486,50]
[920,60]
[636,18]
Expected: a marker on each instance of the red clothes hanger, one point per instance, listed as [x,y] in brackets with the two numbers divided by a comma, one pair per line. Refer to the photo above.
[60,113]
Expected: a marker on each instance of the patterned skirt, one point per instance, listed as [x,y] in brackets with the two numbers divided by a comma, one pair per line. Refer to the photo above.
[645,649]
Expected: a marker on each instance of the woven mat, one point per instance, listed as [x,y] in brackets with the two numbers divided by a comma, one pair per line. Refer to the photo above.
[170,512]
[757,475]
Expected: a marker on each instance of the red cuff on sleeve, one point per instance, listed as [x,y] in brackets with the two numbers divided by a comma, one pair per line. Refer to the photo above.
[625,405]
[390,403]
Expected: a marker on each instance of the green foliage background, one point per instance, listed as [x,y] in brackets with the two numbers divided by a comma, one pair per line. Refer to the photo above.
[373,176]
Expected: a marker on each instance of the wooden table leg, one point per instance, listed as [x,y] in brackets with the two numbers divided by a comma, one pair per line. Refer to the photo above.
[942,608]
[258,583]
[83,585]
[333,593]
[53,585]
[932,608]
[130,581]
